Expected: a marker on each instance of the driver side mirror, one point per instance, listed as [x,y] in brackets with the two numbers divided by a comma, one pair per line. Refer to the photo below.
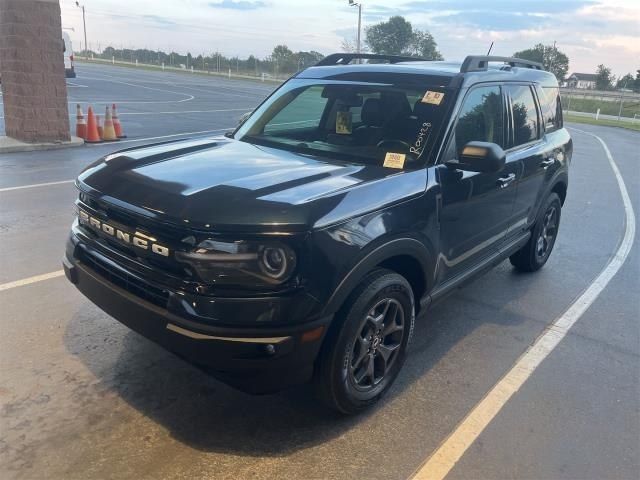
[484,157]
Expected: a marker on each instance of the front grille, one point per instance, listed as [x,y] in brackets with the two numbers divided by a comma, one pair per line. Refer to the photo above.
[122,279]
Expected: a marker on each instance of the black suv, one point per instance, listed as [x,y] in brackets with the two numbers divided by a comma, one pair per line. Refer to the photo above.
[303,244]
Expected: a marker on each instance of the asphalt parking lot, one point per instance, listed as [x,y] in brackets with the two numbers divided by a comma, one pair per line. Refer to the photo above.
[83,397]
[154,103]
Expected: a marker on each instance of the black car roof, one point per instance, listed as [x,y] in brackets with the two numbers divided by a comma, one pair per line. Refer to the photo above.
[440,73]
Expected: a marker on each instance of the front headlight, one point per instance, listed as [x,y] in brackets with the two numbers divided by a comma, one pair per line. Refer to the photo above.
[241,263]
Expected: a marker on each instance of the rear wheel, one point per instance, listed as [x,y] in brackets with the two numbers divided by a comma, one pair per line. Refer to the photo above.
[366,349]
[536,251]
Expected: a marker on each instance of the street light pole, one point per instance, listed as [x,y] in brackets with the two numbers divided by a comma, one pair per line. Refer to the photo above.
[84,24]
[359,5]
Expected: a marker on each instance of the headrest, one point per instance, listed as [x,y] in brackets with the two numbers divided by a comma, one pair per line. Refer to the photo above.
[421,109]
[371,113]
[395,104]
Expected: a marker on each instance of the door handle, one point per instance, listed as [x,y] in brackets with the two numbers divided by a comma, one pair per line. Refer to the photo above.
[503,182]
[548,162]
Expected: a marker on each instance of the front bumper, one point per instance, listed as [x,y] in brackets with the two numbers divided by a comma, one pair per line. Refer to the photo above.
[256,359]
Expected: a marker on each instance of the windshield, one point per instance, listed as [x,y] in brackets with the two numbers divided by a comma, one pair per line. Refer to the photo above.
[365,123]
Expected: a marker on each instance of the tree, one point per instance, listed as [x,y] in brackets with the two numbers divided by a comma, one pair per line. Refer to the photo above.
[626,82]
[424,45]
[350,45]
[636,83]
[549,56]
[393,37]
[604,79]
[283,57]
[398,37]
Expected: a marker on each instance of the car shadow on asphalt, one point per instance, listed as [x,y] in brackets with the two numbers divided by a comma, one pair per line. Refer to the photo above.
[207,415]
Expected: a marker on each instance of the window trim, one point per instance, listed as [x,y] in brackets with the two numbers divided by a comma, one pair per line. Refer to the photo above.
[540,133]
[450,136]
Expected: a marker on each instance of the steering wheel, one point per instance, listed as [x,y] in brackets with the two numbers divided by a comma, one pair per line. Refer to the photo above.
[392,144]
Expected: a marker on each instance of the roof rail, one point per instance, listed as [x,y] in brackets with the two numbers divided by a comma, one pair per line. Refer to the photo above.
[478,63]
[346,58]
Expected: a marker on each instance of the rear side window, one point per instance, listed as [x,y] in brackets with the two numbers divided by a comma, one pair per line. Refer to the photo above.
[524,114]
[480,118]
[551,108]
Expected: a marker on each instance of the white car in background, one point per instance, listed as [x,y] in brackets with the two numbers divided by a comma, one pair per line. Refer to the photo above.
[68,56]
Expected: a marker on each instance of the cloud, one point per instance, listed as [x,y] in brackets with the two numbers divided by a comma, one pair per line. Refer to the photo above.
[238,5]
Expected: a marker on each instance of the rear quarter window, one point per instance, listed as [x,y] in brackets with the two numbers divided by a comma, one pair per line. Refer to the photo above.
[551,107]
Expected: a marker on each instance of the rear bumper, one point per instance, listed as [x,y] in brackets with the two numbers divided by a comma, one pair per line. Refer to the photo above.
[255,360]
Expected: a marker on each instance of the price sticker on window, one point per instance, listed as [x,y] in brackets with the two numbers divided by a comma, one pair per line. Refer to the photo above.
[433,98]
[394,160]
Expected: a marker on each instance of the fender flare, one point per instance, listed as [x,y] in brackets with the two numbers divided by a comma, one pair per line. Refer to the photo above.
[392,248]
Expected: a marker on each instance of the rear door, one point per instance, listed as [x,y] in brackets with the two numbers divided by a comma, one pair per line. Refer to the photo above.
[526,149]
[476,208]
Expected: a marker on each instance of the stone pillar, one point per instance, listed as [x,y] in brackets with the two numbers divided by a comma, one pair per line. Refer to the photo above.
[32,67]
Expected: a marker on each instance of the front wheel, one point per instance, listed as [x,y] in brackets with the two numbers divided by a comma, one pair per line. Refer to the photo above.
[365,351]
[536,251]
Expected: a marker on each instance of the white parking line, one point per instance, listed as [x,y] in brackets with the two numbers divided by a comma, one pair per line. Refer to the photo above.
[30,280]
[440,463]
[35,185]
[178,112]
[48,184]
[161,137]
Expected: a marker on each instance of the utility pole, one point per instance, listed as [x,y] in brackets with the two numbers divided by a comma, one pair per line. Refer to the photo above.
[84,24]
[352,3]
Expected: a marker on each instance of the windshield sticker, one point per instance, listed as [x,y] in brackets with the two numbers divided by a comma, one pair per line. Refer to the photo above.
[421,140]
[394,160]
[433,98]
[343,123]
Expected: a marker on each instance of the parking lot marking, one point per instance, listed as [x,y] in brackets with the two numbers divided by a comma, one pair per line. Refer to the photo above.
[35,185]
[30,280]
[178,112]
[164,136]
[440,463]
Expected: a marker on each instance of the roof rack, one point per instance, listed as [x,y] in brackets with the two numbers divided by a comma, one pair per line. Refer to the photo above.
[479,63]
[346,58]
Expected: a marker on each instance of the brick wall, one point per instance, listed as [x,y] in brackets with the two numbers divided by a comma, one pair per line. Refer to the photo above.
[32,68]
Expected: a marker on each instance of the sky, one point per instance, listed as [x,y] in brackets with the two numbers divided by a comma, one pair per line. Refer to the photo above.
[590,32]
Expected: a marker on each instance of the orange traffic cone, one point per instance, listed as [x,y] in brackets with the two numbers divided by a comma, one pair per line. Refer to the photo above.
[93,135]
[81,124]
[108,132]
[100,130]
[116,123]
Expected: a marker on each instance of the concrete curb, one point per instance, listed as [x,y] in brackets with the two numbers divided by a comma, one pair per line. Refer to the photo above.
[11,145]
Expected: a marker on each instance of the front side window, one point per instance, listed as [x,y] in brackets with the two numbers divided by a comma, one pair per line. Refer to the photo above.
[524,114]
[480,118]
[358,122]
[305,112]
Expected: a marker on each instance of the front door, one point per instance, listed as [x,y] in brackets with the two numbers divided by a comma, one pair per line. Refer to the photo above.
[476,208]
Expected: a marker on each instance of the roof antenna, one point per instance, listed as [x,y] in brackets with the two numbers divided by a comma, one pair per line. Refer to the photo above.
[490,48]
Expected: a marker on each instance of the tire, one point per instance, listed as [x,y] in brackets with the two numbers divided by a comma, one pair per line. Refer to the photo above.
[362,356]
[535,253]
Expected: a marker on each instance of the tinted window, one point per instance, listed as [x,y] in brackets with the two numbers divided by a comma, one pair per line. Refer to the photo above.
[304,112]
[550,106]
[525,115]
[354,121]
[480,118]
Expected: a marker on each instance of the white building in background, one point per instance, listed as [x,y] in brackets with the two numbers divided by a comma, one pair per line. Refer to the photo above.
[582,80]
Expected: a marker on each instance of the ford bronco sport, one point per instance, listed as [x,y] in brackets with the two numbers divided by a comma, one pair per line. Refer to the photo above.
[302,245]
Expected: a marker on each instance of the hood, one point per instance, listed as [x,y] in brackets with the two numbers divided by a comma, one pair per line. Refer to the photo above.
[227,185]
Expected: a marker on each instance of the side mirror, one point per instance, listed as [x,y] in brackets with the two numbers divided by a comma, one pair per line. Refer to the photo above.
[481,157]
